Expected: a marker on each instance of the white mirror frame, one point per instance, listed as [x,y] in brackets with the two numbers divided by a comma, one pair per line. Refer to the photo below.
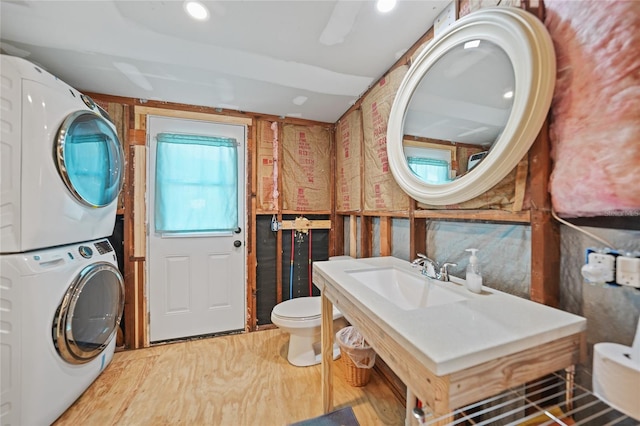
[525,40]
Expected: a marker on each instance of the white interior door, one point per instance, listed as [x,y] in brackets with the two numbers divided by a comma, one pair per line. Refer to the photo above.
[196,251]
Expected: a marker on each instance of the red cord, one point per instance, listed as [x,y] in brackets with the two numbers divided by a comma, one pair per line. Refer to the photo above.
[310,277]
[293,232]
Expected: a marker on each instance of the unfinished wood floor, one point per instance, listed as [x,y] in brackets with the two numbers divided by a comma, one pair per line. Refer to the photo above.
[231,380]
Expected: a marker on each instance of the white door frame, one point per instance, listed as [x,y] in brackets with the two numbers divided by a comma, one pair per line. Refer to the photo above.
[215,119]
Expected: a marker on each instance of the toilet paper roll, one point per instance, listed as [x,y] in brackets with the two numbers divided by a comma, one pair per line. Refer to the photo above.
[616,378]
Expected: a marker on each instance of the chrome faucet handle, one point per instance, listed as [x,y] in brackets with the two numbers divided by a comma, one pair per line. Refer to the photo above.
[420,259]
[444,271]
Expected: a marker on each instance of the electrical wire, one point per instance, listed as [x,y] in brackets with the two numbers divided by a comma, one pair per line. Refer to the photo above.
[274,193]
[577,228]
[293,232]
[310,278]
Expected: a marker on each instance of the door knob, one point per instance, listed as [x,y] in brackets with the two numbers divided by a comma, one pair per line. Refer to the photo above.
[237,243]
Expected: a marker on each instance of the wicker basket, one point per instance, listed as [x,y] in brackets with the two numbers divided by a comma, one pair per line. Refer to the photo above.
[355,376]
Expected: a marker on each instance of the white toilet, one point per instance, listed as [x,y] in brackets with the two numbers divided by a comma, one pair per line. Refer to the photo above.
[301,318]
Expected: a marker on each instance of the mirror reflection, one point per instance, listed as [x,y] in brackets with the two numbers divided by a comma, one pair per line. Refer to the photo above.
[458,110]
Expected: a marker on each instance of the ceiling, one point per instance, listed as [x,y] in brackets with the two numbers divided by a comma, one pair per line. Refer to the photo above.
[305,59]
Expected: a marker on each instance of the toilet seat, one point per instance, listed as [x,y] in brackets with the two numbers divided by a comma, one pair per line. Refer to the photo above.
[301,309]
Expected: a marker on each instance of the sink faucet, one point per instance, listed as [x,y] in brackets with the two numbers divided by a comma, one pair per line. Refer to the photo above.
[431,269]
[444,272]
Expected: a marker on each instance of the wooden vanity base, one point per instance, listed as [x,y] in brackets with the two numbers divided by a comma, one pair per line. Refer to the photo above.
[441,394]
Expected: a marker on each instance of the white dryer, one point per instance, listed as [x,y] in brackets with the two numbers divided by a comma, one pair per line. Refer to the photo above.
[61,308]
[62,162]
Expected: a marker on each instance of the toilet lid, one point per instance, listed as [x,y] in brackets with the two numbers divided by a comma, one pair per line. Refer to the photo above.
[302,308]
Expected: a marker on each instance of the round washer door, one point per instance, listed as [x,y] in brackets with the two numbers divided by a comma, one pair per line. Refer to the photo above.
[90,158]
[89,314]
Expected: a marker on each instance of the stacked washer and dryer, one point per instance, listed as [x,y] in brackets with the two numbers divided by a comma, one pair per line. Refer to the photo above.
[61,294]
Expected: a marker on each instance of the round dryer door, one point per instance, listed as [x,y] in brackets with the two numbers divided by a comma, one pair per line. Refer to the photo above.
[89,315]
[90,158]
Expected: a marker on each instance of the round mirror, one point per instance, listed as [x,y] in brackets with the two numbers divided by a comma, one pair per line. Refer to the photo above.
[463,100]
[471,105]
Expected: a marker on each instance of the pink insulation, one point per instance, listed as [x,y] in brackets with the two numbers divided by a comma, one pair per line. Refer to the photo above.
[595,121]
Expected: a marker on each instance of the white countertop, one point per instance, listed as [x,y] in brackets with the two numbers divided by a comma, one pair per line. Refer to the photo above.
[459,335]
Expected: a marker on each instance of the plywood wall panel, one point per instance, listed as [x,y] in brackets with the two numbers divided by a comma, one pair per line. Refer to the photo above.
[139,206]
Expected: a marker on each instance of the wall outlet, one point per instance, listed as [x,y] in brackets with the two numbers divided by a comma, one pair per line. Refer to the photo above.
[628,271]
[275,225]
[606,262]
[445,19]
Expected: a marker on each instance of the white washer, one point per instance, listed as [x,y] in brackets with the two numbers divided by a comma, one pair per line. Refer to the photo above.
[61,308]
[62,162]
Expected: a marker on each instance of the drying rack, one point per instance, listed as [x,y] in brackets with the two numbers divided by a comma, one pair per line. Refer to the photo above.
[557,399]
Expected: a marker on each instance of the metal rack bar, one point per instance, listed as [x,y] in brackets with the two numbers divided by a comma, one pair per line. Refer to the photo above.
[557,399]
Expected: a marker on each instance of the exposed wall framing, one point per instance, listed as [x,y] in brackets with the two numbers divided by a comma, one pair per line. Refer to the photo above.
[133,208]
[533,170]
[545,239]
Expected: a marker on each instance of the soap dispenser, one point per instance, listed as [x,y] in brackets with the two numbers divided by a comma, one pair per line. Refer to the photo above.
[474,277]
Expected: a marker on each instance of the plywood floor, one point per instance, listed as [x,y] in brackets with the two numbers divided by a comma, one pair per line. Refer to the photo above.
[230,380]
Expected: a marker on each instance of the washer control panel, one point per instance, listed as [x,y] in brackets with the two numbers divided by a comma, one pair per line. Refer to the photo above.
[85,251]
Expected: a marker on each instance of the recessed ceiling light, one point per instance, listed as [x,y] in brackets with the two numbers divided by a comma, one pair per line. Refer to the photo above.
[385,6]
[196,10]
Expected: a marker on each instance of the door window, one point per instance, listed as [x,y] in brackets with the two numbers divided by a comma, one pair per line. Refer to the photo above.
[196,184]
[90,158]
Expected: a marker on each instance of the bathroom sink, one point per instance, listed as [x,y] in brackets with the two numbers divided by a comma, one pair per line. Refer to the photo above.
[447,328]
[406,290]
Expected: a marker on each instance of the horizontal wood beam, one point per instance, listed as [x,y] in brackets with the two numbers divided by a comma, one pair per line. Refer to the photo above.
[477,215]
[303,224]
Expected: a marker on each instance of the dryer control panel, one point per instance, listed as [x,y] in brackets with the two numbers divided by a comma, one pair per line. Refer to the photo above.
[103,247]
